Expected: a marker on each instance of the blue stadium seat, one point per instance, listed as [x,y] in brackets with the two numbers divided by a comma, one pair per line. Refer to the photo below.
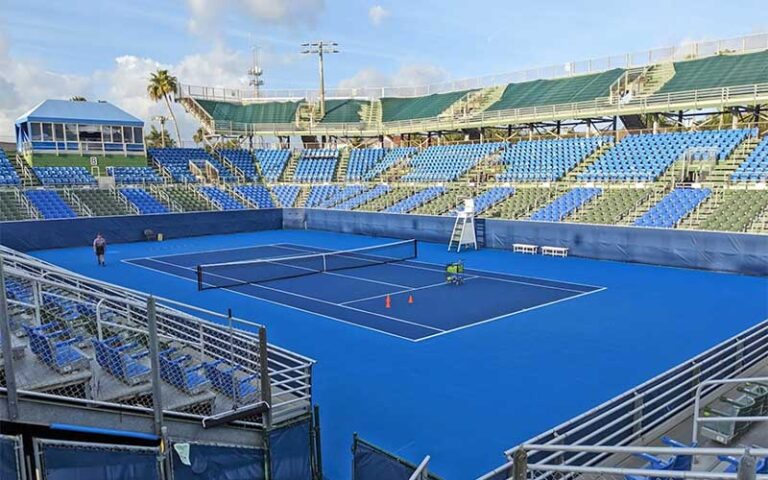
[179,371]
[56,347]
[176,162]
[221,199]
[489,198]
[755,167]
[64,176]
[320,193]
[272,162]
[564,205]
[316,165]
[49,204]
[144,202]
[416,200]
[8,175]
[341,195]
[122,360]
[257,194]
[232,381]
[446,163]
[546,160]
[286,194]
[387,161]
[673,207]
[134,175]
[363,198]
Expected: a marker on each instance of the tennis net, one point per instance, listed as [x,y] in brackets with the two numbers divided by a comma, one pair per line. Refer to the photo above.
[231,274]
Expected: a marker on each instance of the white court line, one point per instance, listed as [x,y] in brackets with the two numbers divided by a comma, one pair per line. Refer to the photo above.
[285,305]
[306,297]
[402,264]
[279,245]
[463,327]
[410,289]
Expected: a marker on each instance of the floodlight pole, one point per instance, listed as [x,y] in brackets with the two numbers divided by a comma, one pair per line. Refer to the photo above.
[161,119]
[320,48]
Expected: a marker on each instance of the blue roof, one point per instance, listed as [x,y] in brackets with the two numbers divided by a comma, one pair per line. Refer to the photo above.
[89,113]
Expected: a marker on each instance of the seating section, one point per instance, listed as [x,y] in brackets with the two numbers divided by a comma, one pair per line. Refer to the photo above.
[612,206]
[341,195]
[262,112]
[134,175]
[143,201]
[286,194]
[565,204]
[102,202]
[718,71]
[397,109]
[363,198]
[416,200]
[256,194]
[11,207]
[546,160]
[49,204]
[124,360]
[579,88]
[643,158]
[64,176]
[242,160]
[221,199]
[361,161]
[316,165]
[521,203]
[56,347]
[755,167]
[446,163]
[673,207]
[8,175]
[737,211]
[320,193]
[177,162]
[390,158]
[272,163]
[491,197]
[189,200]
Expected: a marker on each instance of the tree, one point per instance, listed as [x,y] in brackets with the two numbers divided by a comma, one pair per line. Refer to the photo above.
[162,86]
[199,136]
[159,139]
[78,98]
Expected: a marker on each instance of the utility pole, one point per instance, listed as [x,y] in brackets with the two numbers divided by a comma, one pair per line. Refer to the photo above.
[255,72]
[320,48]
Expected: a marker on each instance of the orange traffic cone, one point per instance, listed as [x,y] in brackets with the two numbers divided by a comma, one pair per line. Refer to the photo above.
[410,298]
[388,302]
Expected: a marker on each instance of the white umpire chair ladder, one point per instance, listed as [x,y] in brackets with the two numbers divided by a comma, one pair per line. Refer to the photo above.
[464,229]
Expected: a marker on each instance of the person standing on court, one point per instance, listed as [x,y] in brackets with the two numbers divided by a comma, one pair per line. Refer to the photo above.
[99,248]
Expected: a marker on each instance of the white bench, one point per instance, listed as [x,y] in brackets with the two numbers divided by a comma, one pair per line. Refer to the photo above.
[554,251]
[524,248]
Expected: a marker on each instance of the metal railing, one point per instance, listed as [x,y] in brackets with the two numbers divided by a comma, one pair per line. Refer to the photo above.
[697,417]
[92,311]
[689,51]
[642,411]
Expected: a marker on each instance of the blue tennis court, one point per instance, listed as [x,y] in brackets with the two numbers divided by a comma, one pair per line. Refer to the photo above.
[408,299]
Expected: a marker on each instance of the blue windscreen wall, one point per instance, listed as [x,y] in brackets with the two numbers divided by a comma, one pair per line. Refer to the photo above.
[216,462]
[290,452]
[370,462]
[9,458]
[720,251]
[80,461]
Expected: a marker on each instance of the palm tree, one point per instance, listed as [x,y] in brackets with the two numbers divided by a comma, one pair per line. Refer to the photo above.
[159,138]
[199,136]
[163,85]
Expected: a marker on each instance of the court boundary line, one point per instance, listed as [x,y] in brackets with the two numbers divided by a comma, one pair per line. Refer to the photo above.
[209,251]
[441,332]
[405,264]
[410,289]
[286,292]
[273,302]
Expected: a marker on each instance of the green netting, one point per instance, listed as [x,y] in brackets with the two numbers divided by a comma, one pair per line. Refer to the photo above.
[552,92]
[69,160]
[395,109]
[342,111]
[270,112]
[720,71]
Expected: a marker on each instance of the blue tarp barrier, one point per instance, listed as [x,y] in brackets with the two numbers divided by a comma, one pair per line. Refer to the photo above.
[290,452]
[9,458]
[39,235]
[80,461]
[214,462]
[369,462]
[719,251]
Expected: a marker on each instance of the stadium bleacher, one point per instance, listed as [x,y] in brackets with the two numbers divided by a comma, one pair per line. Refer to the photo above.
[262,112]
[286,194]
[361,161]
[134,175]
[143,201]
[64,176]
[737,211]
[545,160]
[242,160]
[390,158]
[49,204]
[564,205]
[316,165]
[755,168]
[256,194]
[417,199]
[8,175]
[673,207]
[446,163]
[644,157]
[221,199]
[364,197]
[718,71]
[177,162]
[341,195]
[491,197]
[320,193]
[272,162]
[397,109]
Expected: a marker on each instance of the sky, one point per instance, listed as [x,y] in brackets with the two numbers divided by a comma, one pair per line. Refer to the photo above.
[105,50]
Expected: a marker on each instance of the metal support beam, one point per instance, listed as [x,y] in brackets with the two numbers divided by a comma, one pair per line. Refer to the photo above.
[154,357]
[5,332]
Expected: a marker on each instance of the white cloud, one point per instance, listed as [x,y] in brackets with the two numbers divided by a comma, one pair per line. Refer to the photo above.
[377,14]
[406,76]
[204,14]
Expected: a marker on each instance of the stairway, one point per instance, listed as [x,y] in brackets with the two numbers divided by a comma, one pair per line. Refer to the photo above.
[721,173]
[371,113]
[340,175]
[239,174]
[655,77]
[301,198]
[290,167]
[473,102]
[485,170]
[659,191]
[582,166]
[24,171]
[703,210]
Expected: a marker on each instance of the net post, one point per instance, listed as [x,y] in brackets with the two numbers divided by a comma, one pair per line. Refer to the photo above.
[415,248]
[199,277]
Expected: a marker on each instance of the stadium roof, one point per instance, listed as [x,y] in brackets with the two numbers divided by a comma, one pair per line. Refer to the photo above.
[68,111]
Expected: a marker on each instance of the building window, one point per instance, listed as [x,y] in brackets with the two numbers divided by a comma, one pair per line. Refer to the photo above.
[128,134]
[71,130]
[138,135]
[47,132]
[106,133]
[58,131]
[37,135]
[90,133]
[117,134]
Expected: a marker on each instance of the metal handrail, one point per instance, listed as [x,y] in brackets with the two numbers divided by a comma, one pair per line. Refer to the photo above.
[722,381]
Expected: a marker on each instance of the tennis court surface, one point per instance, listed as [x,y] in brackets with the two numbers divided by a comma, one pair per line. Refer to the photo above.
[354,286]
